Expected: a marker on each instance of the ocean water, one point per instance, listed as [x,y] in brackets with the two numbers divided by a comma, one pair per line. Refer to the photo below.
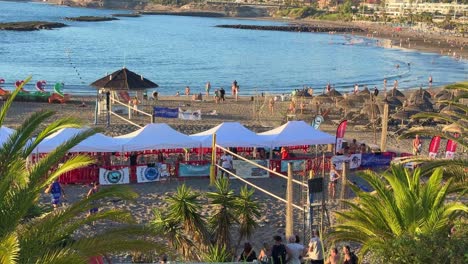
[176,51]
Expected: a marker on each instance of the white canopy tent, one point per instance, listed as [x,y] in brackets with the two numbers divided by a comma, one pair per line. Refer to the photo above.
[5,133]
[156,136]
[295,133]
[95,143]
[230,134]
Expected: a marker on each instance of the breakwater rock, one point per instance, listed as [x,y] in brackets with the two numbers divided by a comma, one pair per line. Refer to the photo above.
[297,28]
[90,18]
[30,25]
[185,13]
[126,15]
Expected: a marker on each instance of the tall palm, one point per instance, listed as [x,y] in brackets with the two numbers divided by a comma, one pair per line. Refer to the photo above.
[50,237]
[224,216]
[247,210]
[459,119]
[401,207]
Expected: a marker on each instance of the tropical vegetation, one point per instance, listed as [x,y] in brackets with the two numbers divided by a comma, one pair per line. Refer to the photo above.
[405,220]
[207,239]
[455,125]
[32,234]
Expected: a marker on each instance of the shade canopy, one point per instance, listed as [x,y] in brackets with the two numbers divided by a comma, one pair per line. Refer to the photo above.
[95,143]
[5,133]
[296,133]
[124,79]
[230,134]
[156,136]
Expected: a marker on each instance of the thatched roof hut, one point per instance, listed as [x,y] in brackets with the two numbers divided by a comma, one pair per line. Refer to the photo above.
[124,80]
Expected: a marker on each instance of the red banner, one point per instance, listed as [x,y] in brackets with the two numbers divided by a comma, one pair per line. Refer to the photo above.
[434,146]
[450,148]
[340,131]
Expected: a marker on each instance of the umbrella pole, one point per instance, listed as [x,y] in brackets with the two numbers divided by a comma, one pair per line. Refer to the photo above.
[96,109]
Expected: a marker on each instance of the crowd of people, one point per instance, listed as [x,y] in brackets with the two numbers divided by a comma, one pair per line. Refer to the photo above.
[294,252]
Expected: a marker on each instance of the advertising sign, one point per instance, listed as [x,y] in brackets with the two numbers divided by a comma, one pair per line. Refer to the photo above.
[117,176]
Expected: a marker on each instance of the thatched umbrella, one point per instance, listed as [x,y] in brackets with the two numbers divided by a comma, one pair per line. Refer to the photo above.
[365,91]
[334,93]
[322,99]
[124,80]
[443,95]
[395,93]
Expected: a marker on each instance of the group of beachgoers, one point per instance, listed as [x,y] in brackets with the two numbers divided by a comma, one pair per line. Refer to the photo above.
[57,195]
[294,252]
[219,94]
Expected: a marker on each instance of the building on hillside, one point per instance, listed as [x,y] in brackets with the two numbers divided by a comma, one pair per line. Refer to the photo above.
[402,7]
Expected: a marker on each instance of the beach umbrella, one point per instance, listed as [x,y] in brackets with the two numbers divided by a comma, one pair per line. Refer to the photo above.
[395,93]
[334,93]
[453,128]
[371,110]
[322,99]
[365,91]
[124,80]
[443,95]
[451,110]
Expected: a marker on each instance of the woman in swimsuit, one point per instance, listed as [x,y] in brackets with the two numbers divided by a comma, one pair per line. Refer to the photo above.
[334,176]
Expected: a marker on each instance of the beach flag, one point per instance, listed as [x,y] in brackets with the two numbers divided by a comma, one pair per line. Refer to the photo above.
[340,131]
[434,147]
[450,148]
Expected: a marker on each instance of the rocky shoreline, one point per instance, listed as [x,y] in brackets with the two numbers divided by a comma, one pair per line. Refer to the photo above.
[90,19]
[30,25]
[297,28]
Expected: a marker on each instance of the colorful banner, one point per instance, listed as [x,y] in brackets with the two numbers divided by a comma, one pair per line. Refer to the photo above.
[373,160]
[248,170]
[117,176]
[166,112]
[190,115]
[353,159]
[152,173]
[192,170]
[434,147]
[318,120]
[297,165]
[450,148]
[340,131]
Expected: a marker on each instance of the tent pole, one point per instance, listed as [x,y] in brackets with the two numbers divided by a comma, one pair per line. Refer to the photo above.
[213,160]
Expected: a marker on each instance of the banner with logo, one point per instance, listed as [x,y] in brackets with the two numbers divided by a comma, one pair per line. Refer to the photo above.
[192,170]
[450,148]
[340,131]
[318,120]
[297,165]
[373,160]
[434,147]
[152,173]
[353,159]
[116,176]
[248,170]
[166,112]
[190,115]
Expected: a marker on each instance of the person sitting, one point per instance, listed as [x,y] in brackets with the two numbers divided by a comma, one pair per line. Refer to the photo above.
[248,254]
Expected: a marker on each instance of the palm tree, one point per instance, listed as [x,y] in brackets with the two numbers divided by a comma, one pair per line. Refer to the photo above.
[401,207]
[247,210]
[224,216]
[459,119]
[50,238]
[184,207]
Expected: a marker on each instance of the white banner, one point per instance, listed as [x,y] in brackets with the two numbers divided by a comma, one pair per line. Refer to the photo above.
[117,176]
[353,159]
[247,170]
[152,174]
[189,115]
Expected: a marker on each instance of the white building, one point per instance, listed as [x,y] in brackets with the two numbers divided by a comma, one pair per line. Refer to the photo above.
[402,7]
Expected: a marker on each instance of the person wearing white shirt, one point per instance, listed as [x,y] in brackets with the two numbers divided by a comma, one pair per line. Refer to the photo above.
[226,163]
[315,249]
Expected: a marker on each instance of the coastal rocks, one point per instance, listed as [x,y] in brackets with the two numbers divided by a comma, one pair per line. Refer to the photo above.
[126,15]
[296,28]
[90,18]
[185,13]
[30,25]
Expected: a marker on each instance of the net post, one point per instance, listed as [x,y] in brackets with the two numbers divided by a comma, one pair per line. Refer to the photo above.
[213,160]
[289,207]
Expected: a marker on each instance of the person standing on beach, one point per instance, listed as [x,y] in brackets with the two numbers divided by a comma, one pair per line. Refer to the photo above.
[295,250]
[417,145]
[395,85]
[187,90]
[430,81]
[236,92]
[94,189]
[315,250]
[207,88]
[226,163]
[233,87]
[385,86]
[356,88]
[271,105]
[56,192]
[334,176]
[222,94]
[278,251]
